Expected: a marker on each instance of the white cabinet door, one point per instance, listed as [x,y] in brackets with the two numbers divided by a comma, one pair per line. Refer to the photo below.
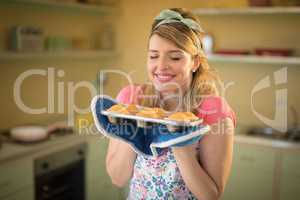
[290,176]
[24,194]
[15,175]
[98,183]
[252,174]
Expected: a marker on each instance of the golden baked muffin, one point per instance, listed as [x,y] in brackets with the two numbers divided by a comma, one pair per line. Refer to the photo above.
[183,116]
[124,111]
[161,112]
[118,108]
[191,115]
[157,113]
[132,109]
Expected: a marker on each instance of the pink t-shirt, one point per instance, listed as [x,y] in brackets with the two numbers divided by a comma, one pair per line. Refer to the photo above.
[159,177]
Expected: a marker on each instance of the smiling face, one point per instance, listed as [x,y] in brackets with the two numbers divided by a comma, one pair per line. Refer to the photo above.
[169,67]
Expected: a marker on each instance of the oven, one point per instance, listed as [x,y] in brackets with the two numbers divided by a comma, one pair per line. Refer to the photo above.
[60,175]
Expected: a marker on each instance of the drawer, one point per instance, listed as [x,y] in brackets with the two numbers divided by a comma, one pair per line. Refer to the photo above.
[15,175]
[291,164]
[252,173]
[254,157]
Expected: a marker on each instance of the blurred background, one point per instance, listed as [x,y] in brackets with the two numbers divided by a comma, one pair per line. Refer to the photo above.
[54,51]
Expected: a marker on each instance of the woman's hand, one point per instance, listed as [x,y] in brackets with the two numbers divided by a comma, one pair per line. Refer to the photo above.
[206,179]
[188,150]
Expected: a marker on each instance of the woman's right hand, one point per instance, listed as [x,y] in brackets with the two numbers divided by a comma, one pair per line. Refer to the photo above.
[120,159]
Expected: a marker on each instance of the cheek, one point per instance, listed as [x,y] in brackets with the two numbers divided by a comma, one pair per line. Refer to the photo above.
[150,69]
[183,72]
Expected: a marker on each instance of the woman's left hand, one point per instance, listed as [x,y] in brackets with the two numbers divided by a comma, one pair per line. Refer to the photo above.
[187,150]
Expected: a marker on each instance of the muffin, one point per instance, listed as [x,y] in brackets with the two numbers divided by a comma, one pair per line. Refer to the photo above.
[147,113]
[161,112]
[132,109]
[156,113]
[183,116]
[118,108]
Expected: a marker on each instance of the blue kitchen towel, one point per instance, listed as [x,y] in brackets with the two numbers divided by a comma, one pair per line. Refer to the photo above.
[146,141]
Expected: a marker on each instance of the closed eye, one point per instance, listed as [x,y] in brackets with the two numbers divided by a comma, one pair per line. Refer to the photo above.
[176,58]
[153,57]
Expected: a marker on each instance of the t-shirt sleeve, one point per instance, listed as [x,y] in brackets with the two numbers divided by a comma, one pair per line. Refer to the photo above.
[214,108]
[129,94]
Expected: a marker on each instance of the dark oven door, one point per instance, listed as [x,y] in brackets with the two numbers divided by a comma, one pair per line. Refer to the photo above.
[60,177]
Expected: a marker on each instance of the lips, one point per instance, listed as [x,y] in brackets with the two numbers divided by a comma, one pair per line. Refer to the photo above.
[163,78]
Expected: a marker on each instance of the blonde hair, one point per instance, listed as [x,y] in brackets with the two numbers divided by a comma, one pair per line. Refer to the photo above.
[204,80]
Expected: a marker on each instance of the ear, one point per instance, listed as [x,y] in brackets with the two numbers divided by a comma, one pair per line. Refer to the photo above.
[196,63]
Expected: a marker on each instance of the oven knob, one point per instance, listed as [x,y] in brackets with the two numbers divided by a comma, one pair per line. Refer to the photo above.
[45,188]
[80,152]
[45,165]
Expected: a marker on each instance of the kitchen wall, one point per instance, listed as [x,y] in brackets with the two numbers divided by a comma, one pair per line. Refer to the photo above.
[133,23]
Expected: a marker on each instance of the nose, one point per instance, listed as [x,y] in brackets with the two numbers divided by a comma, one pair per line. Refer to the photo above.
[162,64]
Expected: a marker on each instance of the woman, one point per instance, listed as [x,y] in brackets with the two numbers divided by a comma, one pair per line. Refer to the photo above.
[181,80]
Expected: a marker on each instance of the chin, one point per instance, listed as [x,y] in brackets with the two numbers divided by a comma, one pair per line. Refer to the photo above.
[169,87]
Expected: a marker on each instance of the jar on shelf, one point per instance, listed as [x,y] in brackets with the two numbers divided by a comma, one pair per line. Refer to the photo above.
[106,40]
[58,43]
[81,43]
[208,43]
[26,38]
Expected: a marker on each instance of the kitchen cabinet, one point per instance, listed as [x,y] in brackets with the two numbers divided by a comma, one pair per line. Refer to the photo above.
[290,176]
[98,183]
[250,28]
[264,169]
[26,194]
[252,173]
[16,179]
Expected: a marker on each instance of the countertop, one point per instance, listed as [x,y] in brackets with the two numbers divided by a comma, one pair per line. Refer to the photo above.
[267,142]
[11,151]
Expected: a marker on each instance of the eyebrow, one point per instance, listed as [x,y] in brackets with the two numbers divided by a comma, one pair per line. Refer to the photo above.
[171,51]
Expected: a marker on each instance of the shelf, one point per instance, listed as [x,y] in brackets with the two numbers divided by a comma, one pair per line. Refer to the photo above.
[252,59]
[80,55]
[247,11]
[78,7]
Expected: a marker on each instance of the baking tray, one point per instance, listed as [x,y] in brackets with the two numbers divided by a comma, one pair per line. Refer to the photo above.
[144,122]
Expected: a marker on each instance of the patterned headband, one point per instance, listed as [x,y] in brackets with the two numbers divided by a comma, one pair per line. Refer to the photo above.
[170,16]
